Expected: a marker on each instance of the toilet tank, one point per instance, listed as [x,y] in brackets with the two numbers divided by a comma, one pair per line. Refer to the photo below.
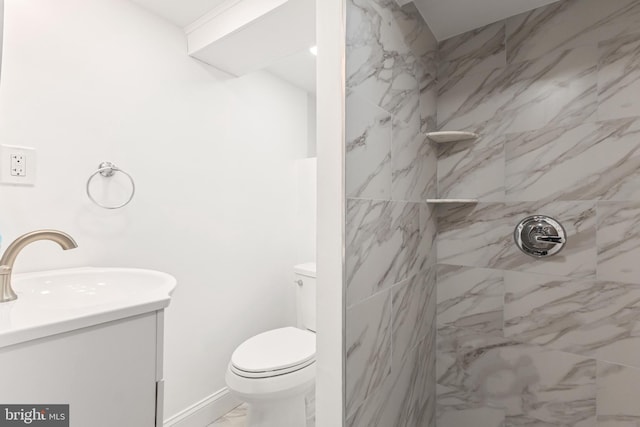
[305,280]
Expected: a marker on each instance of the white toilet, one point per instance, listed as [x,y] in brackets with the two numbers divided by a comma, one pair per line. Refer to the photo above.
[274,371]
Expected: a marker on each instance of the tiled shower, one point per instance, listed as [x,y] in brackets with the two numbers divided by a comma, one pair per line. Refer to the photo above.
[448,323]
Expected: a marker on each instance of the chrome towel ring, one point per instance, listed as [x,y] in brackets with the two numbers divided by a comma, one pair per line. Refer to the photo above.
[107,170]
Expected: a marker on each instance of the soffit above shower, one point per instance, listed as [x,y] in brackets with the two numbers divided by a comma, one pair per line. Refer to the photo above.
[241,36]
[443,16]
[249,35]
[181,12]
[445,19]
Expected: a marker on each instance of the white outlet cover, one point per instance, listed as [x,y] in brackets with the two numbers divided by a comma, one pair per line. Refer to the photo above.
[29,155]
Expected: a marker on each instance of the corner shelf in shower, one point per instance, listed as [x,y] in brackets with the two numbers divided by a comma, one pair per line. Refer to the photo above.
[451,136]
[452,201]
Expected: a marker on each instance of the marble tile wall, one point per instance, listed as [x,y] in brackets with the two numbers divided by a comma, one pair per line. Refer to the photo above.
[555,95]
[390,232]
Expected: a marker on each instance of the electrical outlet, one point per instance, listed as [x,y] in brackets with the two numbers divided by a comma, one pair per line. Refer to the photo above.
[17,165]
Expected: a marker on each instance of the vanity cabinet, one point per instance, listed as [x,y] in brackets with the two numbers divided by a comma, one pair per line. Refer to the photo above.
[110,373]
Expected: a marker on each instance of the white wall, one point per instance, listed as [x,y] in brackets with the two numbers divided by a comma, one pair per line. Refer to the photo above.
[306,207]
[90,80]
[312,129]
[331,19]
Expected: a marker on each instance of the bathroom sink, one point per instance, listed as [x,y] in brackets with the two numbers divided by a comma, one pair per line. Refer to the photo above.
[57,301]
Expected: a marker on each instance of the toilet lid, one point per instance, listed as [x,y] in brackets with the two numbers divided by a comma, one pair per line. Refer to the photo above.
[275,352]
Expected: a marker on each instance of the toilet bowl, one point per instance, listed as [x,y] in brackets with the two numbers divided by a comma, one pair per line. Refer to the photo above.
[273,372]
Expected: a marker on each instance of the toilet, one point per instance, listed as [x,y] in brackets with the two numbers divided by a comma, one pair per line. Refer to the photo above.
[273,372]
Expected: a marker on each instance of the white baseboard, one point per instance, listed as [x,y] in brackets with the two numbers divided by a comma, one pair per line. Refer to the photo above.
[203,413]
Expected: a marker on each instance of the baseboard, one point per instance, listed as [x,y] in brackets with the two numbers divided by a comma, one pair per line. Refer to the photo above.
[203,413]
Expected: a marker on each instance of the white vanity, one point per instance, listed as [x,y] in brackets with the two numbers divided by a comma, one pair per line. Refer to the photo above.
[91,338]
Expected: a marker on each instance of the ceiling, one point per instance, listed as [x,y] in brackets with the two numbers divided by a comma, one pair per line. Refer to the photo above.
[298,69]
[442,16]
[180,12]
[445,20]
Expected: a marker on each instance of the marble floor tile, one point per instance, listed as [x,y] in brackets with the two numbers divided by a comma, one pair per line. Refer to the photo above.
[235,418]
[238,416]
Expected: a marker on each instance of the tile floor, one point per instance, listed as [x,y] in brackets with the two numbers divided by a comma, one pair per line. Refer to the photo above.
[238,416]
[235,418]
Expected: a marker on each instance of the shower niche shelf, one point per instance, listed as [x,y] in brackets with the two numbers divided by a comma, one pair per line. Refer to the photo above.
[452,201]
[451,136]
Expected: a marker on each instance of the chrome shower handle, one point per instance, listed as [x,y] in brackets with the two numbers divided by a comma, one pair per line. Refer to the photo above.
[540,236]
[552,240]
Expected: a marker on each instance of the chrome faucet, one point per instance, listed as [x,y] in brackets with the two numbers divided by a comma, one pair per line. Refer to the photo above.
[9,257]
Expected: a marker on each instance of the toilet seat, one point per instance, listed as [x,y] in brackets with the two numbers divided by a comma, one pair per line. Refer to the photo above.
[273,353]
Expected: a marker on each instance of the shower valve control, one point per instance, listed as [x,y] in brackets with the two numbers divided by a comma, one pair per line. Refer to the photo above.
[540,236]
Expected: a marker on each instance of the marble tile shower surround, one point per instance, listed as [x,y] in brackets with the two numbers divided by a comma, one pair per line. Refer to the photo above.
[619,77]
[368,142]
[591,161]
[482,236]
[406,323]
[368,341]
[407,396]
[470,298]
[413,162]
[381,65]
[413,312]
[387,325]
[581,316]
[618,241]
[391,78]
[477,50]
[506,383]
[555,96]
[382,244]
[617,409]
[560,87]
[544,316]
[569,24]
[390,232]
